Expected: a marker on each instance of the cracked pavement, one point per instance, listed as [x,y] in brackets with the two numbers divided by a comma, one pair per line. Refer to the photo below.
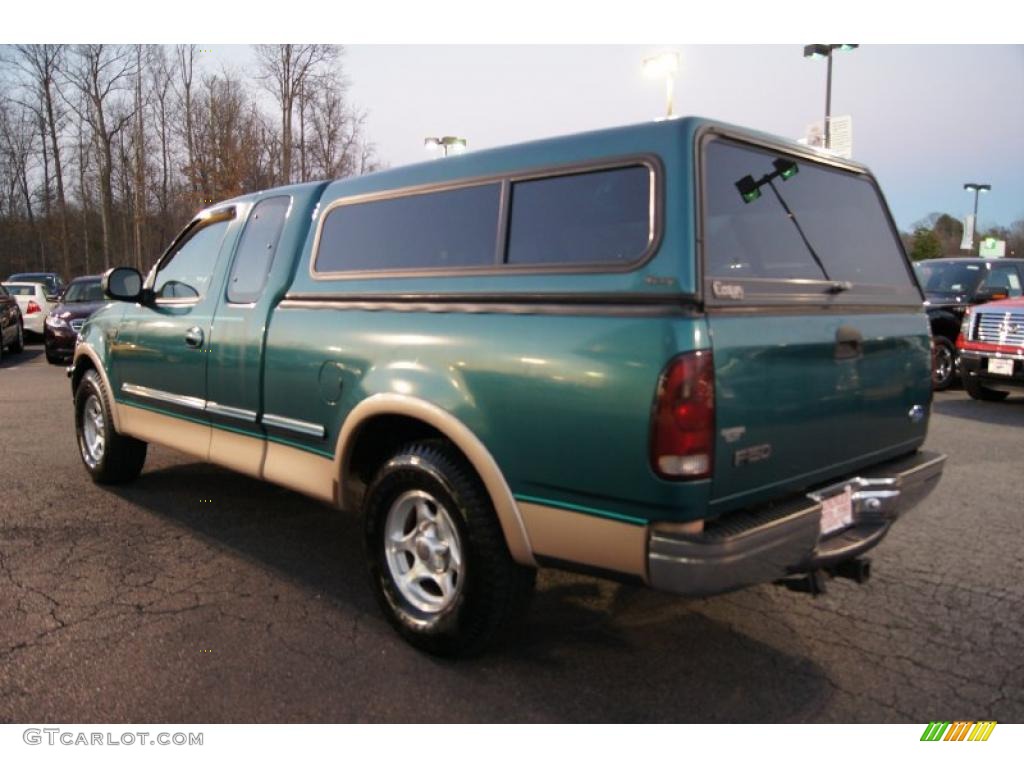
[146,603]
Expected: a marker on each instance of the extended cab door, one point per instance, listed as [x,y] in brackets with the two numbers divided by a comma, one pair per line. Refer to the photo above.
[160,357]
[819,338]
[235,362]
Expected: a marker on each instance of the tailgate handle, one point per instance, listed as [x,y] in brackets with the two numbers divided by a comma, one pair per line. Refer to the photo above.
[849,343]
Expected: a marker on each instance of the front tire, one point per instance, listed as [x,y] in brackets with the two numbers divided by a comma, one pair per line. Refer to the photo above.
[438,561]
[979,391]
[110,457]
[944,365]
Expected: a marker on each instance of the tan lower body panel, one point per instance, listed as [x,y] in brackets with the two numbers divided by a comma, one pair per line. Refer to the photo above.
[301,471]
[585,539]
[238,452]
[179,434]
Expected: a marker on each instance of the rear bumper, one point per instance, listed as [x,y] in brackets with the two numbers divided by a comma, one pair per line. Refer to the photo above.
[33,323]
[763,545]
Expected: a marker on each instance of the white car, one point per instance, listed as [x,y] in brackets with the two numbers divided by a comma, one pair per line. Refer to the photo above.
[31,297]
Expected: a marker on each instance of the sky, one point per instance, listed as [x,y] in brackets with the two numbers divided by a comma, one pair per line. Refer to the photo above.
[926,118]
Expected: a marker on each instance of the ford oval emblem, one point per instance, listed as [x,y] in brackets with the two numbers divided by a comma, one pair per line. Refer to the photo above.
[916,413]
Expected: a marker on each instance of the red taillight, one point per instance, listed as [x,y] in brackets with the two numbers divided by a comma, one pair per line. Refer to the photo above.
[33,308]
[683,422]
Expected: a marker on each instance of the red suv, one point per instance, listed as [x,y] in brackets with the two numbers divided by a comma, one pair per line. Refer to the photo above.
[991,346]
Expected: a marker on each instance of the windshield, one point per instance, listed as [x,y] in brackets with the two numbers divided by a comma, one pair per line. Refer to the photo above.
[949,277]
[90,291]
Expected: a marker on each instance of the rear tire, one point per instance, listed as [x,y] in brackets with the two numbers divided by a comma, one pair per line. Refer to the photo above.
[437,557]
[110,457]
[979,391]
[944,365]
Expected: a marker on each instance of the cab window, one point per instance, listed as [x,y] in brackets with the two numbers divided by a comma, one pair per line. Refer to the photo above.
[256,249]
[187,273]
[1004,276]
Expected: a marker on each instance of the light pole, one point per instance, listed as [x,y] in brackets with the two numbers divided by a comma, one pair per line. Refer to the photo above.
[824,51]
[663,65]
[977,189]
[453,144]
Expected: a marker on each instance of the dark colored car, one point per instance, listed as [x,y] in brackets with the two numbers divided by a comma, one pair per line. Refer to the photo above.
[53,282]
[950,287]
[12,331]
[991,347]
[83,297]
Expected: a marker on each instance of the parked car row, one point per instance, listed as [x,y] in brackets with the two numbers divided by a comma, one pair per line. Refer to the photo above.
[41,304]
[951,287]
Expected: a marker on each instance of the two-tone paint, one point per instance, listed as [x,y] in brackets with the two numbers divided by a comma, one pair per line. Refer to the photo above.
[544,378]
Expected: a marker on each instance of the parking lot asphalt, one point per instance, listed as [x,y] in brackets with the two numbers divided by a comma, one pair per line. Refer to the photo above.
[198,595]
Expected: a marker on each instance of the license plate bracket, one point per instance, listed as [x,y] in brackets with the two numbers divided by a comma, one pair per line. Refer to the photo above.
[837,511]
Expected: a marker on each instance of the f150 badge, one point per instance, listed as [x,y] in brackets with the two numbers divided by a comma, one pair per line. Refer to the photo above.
[752,454]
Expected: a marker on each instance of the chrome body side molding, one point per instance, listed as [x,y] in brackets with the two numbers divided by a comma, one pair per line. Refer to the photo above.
[294,425]
[230,411]
[148,393]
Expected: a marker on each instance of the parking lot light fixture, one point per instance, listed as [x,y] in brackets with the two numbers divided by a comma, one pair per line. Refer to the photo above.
[977,189]
[663,65]
[824,51]
[455,145]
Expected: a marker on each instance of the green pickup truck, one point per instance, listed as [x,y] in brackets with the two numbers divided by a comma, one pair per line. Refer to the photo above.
[680,354]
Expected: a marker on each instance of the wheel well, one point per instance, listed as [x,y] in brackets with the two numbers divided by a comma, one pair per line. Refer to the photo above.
[377,439]
[84,364]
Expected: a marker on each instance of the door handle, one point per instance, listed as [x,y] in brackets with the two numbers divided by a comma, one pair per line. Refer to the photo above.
[849,343]
[194,337]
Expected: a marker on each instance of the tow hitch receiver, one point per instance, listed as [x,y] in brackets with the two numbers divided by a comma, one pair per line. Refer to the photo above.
[857,569]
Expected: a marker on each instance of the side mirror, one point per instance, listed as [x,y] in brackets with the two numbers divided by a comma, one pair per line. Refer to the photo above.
[122,284]
[991,294]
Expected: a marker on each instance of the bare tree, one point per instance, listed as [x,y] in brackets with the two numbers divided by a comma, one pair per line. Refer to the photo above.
[18,145]
[285,70]
[337,134]
[139,200]
[39,67]
[83,144]
[109,148]
[100,72]
[185,58]
[161,79]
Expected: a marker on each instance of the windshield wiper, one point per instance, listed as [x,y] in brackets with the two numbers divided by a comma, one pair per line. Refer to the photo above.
[786,169]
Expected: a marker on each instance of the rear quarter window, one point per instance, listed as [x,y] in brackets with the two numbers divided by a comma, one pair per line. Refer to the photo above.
[812,222]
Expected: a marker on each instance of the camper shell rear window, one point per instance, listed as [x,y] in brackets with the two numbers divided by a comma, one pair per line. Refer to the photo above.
[775,223]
